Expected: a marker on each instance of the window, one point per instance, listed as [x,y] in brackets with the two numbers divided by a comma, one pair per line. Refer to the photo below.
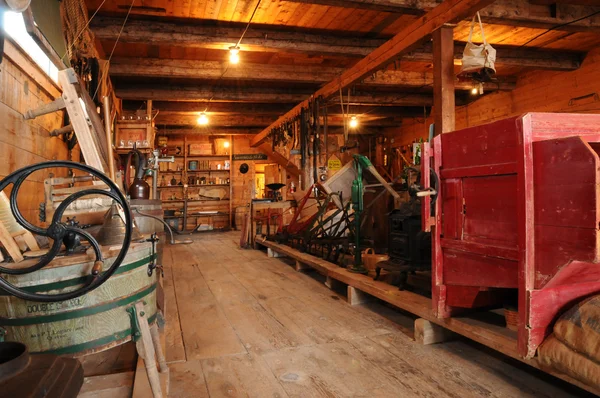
[14,25]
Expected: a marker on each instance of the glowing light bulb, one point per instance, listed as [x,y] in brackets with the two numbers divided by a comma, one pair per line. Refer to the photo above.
[203,119]
[475,90]
[226,144]
[234,54]
[353,122]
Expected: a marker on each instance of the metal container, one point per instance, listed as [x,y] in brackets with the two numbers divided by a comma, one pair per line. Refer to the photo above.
[193,165]
[94,322]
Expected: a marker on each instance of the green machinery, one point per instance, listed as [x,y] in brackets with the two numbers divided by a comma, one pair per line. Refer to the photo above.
[362,163]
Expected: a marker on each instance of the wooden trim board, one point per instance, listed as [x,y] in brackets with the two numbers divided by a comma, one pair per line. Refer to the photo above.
[498,338]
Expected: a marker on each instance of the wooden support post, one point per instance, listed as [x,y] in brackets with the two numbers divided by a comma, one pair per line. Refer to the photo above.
[109,139]
[301,266]
[54,106]
[332,283]
[273,254]
[427,332]
[145,349]
[443,80]
[356,297]
[160,356]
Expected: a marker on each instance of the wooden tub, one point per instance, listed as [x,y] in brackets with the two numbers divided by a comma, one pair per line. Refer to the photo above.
[91,323]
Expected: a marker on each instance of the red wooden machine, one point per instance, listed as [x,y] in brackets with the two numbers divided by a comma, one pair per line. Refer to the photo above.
[516,218]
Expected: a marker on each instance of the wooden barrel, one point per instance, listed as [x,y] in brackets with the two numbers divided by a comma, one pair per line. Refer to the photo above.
[240,216]
[91,323]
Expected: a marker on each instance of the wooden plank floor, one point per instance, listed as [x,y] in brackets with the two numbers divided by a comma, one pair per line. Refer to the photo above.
[250,326]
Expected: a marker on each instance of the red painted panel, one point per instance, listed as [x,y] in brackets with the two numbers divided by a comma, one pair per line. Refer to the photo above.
[468,269]
[491,210]
[478,171]
[452,200]
[471,297]
[488,144]
[546,126]
[510,253]
[565,178]
[555,247]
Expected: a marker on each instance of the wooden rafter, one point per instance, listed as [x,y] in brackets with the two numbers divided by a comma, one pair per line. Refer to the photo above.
[232,108]
[207,70]
[282,39]
[544,14]
[409,38]
[250,121]
[202,94]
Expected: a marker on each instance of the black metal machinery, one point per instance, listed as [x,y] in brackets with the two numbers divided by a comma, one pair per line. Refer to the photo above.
[58,230]
[48,375]
[409,246]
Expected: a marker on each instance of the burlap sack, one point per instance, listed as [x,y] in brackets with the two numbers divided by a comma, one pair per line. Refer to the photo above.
[556,356]
[579,328]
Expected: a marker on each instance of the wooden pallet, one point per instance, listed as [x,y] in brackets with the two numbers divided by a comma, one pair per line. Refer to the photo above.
[362,288]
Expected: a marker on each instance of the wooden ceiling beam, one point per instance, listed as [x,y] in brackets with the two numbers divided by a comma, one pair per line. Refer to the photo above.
[232,108]
[205,34]
[202,94]
[280,39]
[209,70]
[409,38]
[197,130]
[541,14]
[251,121]
[178,119]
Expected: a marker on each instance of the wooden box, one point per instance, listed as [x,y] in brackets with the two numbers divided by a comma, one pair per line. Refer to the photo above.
[204,148]
[517,216]
[130,132]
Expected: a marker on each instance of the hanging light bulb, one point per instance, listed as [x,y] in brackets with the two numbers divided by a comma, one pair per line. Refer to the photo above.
[475,90]
[353,122]
[203,119]
[234,54]
[226,144]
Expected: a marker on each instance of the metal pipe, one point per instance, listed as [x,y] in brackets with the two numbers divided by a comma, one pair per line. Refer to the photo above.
[173,241]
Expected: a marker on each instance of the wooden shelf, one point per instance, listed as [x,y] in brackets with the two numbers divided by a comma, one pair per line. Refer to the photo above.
[194,186]
[207,200]
[225,157]
[209,171]
[200,204]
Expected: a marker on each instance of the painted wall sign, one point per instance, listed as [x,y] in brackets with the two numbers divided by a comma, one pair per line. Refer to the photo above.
[334,164]
[250,156]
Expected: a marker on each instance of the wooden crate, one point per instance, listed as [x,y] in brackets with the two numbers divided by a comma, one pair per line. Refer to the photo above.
[129,132]
[203,148]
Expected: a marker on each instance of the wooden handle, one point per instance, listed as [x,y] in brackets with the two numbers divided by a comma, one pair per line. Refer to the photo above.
[97,268]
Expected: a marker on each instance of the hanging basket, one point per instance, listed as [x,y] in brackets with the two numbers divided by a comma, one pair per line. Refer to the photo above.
[478,58]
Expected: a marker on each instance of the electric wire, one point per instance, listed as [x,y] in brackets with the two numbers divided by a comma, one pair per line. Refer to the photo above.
[560,26]
[114,48]
[237,45]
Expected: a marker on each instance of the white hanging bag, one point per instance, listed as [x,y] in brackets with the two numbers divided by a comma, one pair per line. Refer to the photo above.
[477,57]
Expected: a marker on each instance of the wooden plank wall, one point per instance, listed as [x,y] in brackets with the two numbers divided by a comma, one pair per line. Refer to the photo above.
[23,86]
[536,91]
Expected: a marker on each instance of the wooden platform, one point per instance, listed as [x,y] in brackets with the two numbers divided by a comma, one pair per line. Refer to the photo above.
[483,328]
[242,324]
